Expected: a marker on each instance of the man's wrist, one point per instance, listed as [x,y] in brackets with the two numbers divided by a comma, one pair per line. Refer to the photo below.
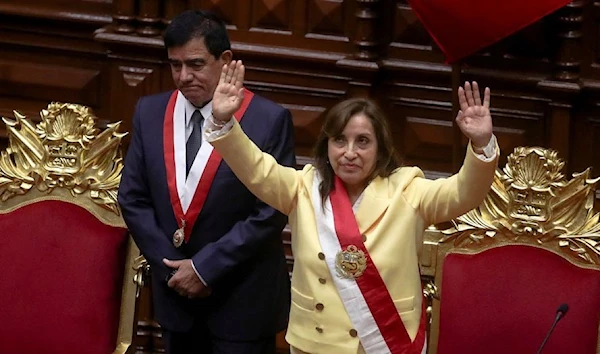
[198,274]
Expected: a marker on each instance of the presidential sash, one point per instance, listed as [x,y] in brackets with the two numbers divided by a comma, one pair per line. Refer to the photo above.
[357,279]
[189,194]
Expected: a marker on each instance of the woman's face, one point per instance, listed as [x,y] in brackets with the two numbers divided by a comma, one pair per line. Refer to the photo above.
[353,153]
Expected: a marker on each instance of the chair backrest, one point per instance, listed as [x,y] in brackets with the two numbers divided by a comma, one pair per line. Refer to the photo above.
[503,269]
[66,257]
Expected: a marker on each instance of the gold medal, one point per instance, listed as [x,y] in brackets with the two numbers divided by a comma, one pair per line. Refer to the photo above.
[351,262]
[179,235]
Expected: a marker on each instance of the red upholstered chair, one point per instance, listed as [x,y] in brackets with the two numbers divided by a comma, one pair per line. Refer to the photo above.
[503,269]
[66,283]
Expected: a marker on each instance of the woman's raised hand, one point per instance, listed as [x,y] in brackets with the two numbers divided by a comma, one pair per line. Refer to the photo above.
[474,118]
[229,94]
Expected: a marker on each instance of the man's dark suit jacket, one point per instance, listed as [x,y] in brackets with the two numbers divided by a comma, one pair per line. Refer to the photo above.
[236,241]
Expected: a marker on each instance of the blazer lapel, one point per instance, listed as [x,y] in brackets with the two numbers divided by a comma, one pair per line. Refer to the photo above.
[375,202]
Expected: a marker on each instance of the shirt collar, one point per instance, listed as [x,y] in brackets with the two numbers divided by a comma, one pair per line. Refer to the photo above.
[190,108]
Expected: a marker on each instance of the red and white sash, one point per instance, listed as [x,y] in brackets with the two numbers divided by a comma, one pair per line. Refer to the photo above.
[189,194]
[382,331]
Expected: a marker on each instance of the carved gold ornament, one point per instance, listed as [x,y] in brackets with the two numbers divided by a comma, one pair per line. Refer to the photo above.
[530,200]
[142,270]
[351,262]
[65,150]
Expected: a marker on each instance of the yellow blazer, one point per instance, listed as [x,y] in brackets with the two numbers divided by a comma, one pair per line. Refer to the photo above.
[392,216]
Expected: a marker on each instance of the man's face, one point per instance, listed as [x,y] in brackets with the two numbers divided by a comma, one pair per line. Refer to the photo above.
[195,71]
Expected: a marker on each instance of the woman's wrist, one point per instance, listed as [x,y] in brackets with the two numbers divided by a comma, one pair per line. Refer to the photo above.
[481,143]
[219,122]
[488,150]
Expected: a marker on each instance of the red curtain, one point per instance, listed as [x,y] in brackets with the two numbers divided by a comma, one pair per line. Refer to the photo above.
[462,27]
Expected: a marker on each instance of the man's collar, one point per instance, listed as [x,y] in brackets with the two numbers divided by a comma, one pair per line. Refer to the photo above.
[206,110]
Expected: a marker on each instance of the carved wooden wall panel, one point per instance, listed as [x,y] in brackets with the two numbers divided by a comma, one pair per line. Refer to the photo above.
[130,81]
[327,19]
[271,15]
[90,11]
[47,53]
[306,93]
[229,10]
[49,81]
[311,24]
[586,136]
[409,40]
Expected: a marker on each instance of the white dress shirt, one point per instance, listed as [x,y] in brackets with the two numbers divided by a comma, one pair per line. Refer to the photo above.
[189,110]
[189,126]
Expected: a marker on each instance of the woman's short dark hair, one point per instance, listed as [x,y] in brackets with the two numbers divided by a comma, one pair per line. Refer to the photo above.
[336,119]
[193,24]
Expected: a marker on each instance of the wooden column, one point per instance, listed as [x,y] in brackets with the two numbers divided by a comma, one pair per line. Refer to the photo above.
[363,62]
[149,18]
[124,16]
[367,34]
[568,59]
[564,88]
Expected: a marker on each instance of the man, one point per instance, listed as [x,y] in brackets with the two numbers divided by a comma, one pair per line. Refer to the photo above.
[220,283]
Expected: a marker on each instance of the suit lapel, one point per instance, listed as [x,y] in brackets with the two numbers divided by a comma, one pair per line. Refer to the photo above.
[375,202]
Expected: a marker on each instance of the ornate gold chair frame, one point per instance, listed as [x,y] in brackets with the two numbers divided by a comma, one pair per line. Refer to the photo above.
[65,158]
[530,203]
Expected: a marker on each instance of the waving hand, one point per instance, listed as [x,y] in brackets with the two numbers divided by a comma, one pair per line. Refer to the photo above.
[229,93]
[474,118]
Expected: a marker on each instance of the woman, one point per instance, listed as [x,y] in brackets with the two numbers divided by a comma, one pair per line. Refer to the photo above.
[356,217]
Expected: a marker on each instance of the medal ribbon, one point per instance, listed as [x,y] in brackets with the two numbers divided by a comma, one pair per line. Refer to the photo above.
[370,283]
[186,220]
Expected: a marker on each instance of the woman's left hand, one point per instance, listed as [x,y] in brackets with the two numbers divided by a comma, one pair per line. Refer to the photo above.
[474,118]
